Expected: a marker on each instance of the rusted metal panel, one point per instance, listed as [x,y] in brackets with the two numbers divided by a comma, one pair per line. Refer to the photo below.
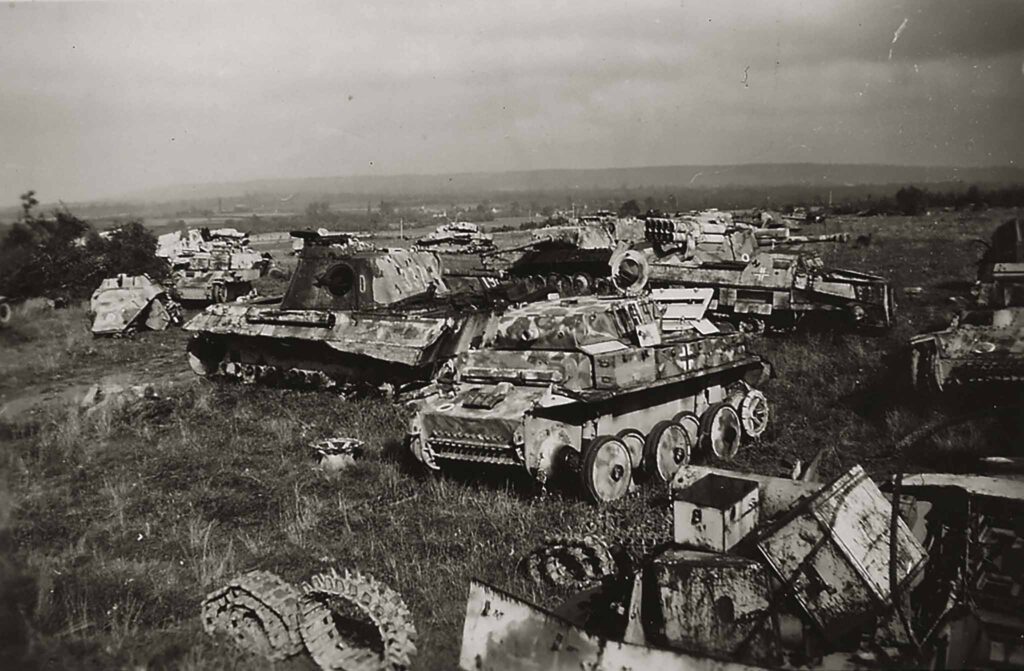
[503,633]
[714,513]
[834,550]
[711,604]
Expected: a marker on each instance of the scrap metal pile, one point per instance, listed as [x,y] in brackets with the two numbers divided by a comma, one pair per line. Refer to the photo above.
[984,347]
[610,391]
[124,304]
[212,266]
[770,572]
[347,621]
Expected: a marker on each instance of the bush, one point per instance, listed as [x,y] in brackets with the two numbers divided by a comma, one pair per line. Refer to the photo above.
[63,257]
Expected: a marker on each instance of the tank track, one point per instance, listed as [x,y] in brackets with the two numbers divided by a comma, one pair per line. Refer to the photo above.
[610,545]
[333,603]
[259,611]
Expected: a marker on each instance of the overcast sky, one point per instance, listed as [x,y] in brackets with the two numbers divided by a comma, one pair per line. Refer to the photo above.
[100,99]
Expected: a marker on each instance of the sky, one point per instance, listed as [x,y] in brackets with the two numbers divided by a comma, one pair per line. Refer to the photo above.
[100,99]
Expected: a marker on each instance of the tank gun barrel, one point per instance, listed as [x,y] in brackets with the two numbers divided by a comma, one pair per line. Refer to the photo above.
[518,248]
[777,236]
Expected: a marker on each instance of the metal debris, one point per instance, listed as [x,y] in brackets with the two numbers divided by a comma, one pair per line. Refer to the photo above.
[259,612]
[335,454]
[125,304]
[336,607]
[571,562]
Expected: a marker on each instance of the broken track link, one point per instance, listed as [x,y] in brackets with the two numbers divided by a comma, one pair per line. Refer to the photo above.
[336,612]
[571,562]
[259,611]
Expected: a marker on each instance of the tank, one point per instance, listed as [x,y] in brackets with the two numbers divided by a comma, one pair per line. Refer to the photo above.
[128,303]
[351,314]
[212,266]
[459,236]
[982,347]
[761,277]
[603,390]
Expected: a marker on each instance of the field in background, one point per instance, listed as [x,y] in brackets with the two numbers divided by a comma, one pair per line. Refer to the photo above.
[114,525]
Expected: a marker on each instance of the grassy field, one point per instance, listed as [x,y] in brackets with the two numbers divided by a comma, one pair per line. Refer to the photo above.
[115,524]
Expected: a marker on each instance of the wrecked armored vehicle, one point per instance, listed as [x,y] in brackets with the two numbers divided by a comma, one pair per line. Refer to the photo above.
[212,266]
[812,576]
[458,236]
[761,277]
[125,304]
[351,314]
[984,346]
[609,388]
[1001,267]
[757,282]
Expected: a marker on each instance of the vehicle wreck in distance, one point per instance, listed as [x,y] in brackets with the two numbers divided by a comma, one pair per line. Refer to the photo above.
[215,266]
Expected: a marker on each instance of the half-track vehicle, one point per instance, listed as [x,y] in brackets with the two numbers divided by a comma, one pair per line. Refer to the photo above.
[351,314]
[597,386]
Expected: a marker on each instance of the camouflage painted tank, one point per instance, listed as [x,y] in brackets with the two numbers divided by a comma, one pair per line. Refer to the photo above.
[351,314]
[761,277]
[595,386]
[212,266]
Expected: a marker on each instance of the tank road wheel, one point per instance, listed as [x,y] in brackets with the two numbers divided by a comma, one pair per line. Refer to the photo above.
[559,284]
[668,448]
[634,441]
[606,470]
[754,413]
[720,431]
[582,284]
[5,313]
[691,423]
[533,284]
[219,293]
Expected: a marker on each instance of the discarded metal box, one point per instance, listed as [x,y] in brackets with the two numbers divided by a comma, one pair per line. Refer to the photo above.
[833,551]
[709,604]
[715,513]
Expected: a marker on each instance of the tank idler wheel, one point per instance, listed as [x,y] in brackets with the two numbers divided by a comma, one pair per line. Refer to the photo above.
[668,449]
[606,470]
[582,284]
[720,431]
[634,441]
[754,413]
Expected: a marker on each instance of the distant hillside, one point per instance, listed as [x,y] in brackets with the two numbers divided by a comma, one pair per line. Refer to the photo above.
[751,175]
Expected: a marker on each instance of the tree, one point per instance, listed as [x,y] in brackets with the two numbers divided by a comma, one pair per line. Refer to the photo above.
[911,201]
[28,201]
[630,208]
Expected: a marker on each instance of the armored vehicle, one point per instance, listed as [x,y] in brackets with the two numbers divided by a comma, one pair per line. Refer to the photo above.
[124,304]
[593,385]
[761,277]
[459,236]
[212,266]
[984,346]
[351,314]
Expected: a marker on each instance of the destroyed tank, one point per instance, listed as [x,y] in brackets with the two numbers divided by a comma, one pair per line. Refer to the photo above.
[127,303]
[212,266]
[762,277]
[351,314]
[601,386]
[984,346]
